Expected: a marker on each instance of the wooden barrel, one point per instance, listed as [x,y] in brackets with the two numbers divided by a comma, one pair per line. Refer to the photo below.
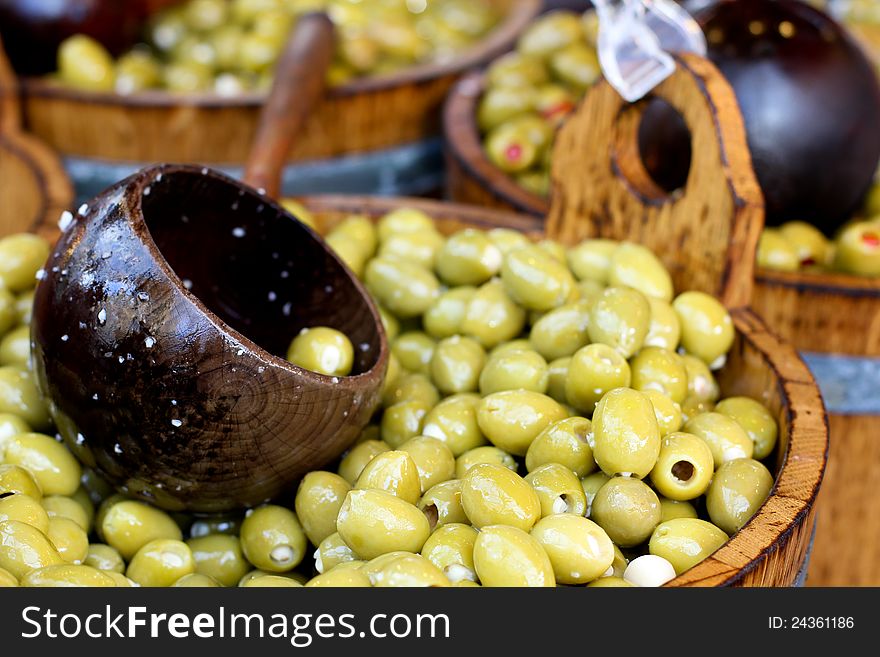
[363,115]
[819,314]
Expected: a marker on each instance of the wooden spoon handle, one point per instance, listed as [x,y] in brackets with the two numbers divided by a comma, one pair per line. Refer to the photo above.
[705,233]
[10,109]
[300,80]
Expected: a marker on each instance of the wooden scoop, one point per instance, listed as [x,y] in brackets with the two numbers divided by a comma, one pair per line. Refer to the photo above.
[34,188]
[162,346]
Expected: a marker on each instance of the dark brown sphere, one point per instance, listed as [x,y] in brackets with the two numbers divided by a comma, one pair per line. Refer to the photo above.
[811,104]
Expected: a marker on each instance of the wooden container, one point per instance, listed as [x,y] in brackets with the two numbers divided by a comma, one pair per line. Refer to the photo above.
[34,189]
[364,115]
[820,313]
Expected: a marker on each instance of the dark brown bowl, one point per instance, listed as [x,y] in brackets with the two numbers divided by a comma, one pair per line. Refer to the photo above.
[160,330]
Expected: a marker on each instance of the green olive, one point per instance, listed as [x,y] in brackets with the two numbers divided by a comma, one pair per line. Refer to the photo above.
[196,580]
[508,556]
[593,371]
[104,557]
[403,220]
[26,509]
[658,369]
[332,552]
[668,413]
[562,331]
[514,370]
[8,312]
[500,104]
[421,248]
[738,490]
[272,539]
[557,377]
[7,580]
[858,249]
[360,230]
[353,462]
[271,581]
[776,252]
[340,578]
[579,549]
[701,382]
[15,479]
[468,258]
[610,582]
[811,245]
[219,557]
[19,396]
[684,467]
[685,542]
[620,318]
[15,347]
[433,459]
[161,563]
[53,466]
[664,331]
[454,422]
[80,512]
[725,437]
[441,504]
[403,287]
[349,251]
[564,442]
[671,509]
[402,569]
[627,509]
[411,388]
[24,548]
[444,318]
[627,438]
[403,421]
[456,364]
[394,472]
[373,522]
[550,34]
[577,66]
[317,503]
[451,549]
[591,259]
[507,239]
[516,70]
[67,575]
[135,71]
[323,350]
[559,490]
[707,330]
[635,266]
[512,419]
[755,420]
[492,317]
[535,279]
[85,64]
[484,454]
[493,494]
[128,525]
[591,485]
[221,524]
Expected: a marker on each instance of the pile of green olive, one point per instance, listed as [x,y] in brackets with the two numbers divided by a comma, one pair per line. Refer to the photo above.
[530,91]
[231,46]
[550,416]
[799,246]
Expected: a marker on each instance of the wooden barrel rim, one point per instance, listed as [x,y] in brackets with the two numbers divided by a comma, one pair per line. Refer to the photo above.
[826,282]
[803,464]
[519,15]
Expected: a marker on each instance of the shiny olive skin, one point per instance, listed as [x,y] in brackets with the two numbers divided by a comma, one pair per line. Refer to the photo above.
[562,331]
[738,490]
[684,467]
[667,412]
[15,479]
[492,317]
[591,485]
[373,522]
[559,490]
[508,556]
[196,580]
[421,248]
[434,460]
[69,539]
[332,552]
[20,396]
[610,582]
[403,287]
[403,421]
[635,266]
[536,280]
[456,365]
[67,575]
[414,350]
[15,347]
[484,454]
[394,472]
[492,494]
[317,503]
[7,580]
[271,581]
[664,331]
[354,461]
[454,422]
[323,350]
[26,509]
[21,256]
[658,369]
[563,442]
[468,258]
[858,250]
[404,570]
[51,463]
[10,425]
[68,507]
[620,317]
[579,549]
[272,539]
[707,329]
[685,542]
[701,381]
[219,557]
[512,419]
[451,549]
[340,578]
[591,259]
[518,369]
[725,437]
[671,509]
[128,525]
[104,557]
[441,504]
[627,438]
[593,371]
[403,220]
[776,252]
[445,316]
[627,509]
[24,548]
[557,377]
[756,421]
